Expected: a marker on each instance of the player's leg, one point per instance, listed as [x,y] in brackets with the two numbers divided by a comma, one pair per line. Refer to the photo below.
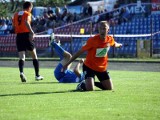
[89,78]
[31,48]
[67,57]
[105,81]
[86,85]
[20,44]
[63,54]
[21,65]
[58,70]
[21,60]
[64,58]
[81,86]
[107,84]
[58,49]
[89,84]
[35,64]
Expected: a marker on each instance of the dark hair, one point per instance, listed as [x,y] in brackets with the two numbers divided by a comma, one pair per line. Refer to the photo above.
[26,5]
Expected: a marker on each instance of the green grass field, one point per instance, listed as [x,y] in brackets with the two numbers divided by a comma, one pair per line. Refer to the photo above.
[136,96]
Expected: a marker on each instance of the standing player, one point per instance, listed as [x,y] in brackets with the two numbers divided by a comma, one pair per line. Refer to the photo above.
[24,39]
[67,76]
[97,59]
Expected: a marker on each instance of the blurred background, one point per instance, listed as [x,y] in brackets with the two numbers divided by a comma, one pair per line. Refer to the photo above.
[134,23]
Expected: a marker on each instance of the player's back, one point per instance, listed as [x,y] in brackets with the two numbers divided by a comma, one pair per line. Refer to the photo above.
[19,21]
[69,77]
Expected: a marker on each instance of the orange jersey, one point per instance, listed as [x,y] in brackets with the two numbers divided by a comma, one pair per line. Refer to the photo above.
[97,49]
[19,21]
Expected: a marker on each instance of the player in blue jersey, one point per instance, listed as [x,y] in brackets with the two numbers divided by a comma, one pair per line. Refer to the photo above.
[67,76]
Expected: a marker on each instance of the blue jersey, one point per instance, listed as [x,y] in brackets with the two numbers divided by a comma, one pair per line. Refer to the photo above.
[67,76]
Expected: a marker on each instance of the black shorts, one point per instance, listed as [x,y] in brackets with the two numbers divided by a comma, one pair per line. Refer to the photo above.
[24,42]
[88,72]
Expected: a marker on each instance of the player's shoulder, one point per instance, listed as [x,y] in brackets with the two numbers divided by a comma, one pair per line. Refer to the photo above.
[15,14]
[27,13]
[95,37]
[109,37]
[21,13]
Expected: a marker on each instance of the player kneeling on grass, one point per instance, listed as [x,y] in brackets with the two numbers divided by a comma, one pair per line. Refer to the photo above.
[96,61]
[67,76]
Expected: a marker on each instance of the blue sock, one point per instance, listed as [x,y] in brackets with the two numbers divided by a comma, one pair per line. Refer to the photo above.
[59,50]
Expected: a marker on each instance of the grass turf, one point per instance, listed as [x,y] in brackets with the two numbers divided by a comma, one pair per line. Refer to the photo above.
[135,97]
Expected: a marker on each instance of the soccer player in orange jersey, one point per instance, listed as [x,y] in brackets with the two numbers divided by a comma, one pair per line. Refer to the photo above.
[24,39]
[96,61]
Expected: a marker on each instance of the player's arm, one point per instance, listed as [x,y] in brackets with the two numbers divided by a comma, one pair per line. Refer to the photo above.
[118,45]
[27,23]
[13,22]
[73,58]
[77,68]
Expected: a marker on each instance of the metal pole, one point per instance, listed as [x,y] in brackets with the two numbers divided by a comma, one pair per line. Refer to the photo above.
[71,38]
[113,47]
[52,49]
[151,41]
[91,28]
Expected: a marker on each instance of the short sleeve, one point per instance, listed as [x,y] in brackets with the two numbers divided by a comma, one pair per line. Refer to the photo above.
[88,45]
[111,41]
[29,18]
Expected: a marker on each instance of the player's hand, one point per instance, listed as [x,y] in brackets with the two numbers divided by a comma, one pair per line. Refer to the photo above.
[32,35]
[64,68]
[120,45]
[81,61]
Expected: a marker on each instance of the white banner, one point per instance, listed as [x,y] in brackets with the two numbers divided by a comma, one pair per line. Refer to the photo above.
[116,35]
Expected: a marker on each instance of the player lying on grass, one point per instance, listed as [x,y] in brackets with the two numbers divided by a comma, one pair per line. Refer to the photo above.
[67,76]
[96,61]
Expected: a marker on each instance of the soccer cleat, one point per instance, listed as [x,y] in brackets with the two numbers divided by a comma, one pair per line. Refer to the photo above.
[23,78]
[55,42]
[39,78]
[79,86]
[58,42]
[52,37]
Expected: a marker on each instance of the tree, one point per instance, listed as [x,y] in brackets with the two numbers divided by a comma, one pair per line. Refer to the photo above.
[8,8]
[50,3]
[4,10]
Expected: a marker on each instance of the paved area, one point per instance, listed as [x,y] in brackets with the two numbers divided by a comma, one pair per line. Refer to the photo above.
[126,66]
